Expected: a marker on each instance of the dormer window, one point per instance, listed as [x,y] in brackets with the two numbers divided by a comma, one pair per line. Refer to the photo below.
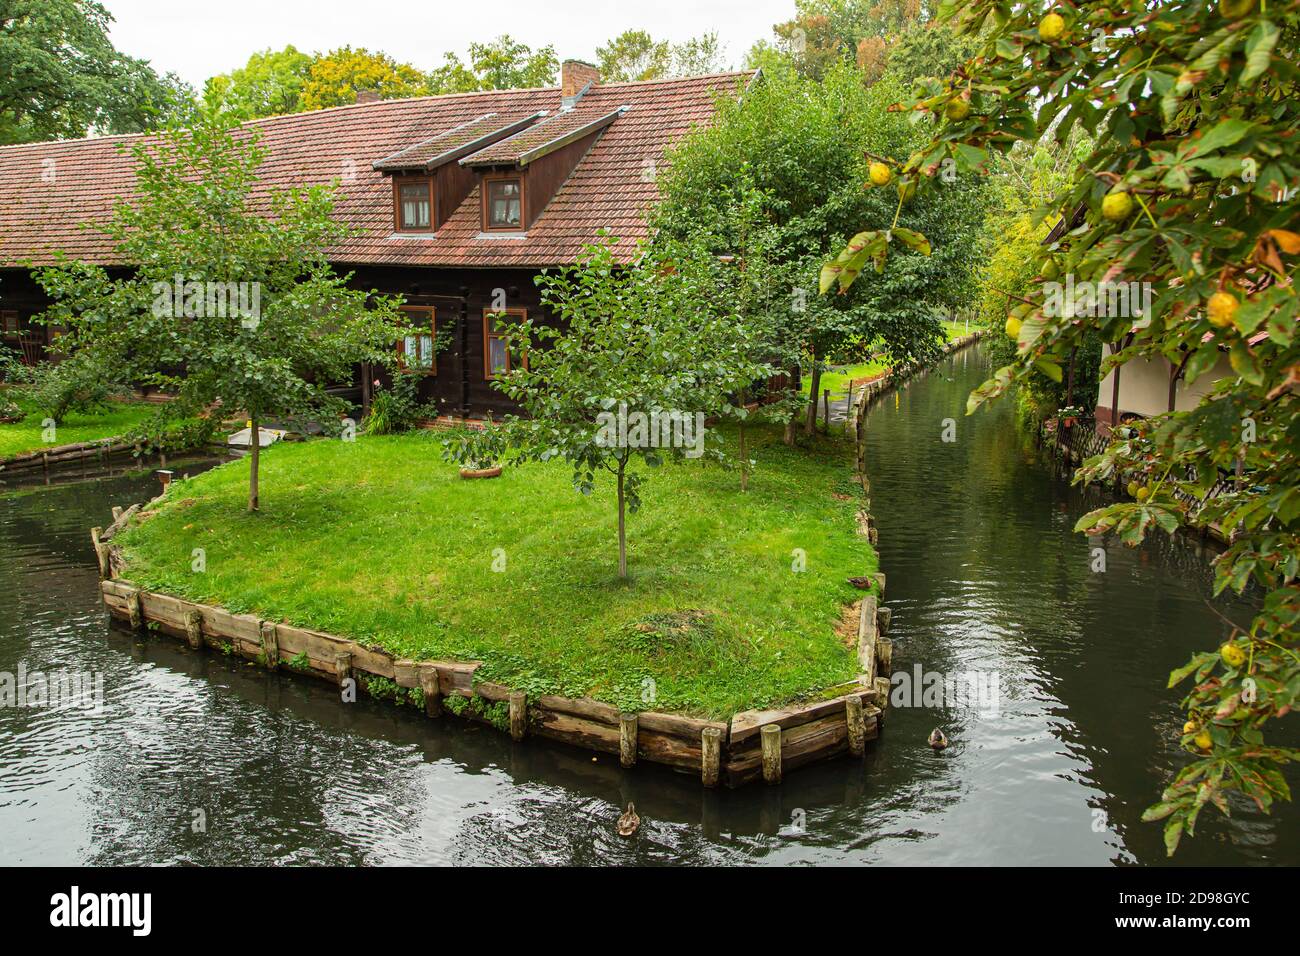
[503,202]
[414,204]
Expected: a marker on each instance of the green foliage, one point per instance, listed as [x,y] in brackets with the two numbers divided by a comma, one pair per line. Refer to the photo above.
[1192,108]
[269,84]
[196,228]
[397,408]
[476,448]
[56,389]
[636,55]
[167,430]
[777,180]
[656,336]
[60,75]
[501,64]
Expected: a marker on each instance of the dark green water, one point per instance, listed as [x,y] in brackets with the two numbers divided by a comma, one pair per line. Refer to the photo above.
[984,575]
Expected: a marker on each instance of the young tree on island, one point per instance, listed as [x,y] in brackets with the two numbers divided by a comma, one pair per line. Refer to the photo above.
[644,354]
[231,298]
[1192,188]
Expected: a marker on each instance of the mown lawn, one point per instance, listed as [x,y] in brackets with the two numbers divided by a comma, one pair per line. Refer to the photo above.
[26,435]
[381,541]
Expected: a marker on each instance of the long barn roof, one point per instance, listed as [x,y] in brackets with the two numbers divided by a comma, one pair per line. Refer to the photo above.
[51,194]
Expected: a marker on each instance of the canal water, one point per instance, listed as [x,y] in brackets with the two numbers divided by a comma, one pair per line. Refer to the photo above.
[196,758]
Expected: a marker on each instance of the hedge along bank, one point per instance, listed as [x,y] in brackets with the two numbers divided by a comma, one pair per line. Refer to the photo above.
[751,745]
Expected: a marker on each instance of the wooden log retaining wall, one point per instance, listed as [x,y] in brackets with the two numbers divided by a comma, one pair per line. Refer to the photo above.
[45,460]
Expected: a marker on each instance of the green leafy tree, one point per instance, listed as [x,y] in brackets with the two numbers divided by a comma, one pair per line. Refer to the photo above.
[230,285]
[269,84]
[826,32]
[656,337]
[335,78]
[502,64]
[634,55]
[60,75]
[1191,187]
[796,144]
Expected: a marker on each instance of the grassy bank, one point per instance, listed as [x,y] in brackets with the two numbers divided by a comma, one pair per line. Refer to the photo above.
[27,435]
[381,541]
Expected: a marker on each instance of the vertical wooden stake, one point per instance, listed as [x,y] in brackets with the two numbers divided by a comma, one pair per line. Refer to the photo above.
[271,644]
[771,739]
[627,739]
[342,668]
[857,726]
[710,755]
[194,628]
[134,614]
[101,553]
[518,714]
[432,691]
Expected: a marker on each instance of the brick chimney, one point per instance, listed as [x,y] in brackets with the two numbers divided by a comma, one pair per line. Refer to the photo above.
[574,75]
[367,96]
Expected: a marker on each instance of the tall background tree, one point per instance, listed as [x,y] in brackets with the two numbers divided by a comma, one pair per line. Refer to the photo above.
[336,78]
[799,145]
[61,77]
[269,84]
[1191,187]
[501,64]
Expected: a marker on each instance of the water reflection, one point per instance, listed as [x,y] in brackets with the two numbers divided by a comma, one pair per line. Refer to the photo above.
[199,758]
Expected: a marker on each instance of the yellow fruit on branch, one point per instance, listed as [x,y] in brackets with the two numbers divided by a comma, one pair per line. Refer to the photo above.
[880,174]
[1235,9]
[1117,206]
[1221,309]
[957,110]
[1143,494]
[1013,328]
[1132,489]
[1232,655]
[1051,28]
[1204,740]
[1190,727]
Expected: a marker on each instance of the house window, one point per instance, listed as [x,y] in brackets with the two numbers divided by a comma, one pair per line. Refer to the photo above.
[415,349]
[9,322]
[503,204]
[498,358]
[414,199]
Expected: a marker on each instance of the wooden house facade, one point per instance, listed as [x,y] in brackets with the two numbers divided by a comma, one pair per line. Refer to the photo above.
[453,202]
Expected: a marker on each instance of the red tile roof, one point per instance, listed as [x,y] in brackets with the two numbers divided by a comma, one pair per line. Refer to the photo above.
[456,142]
[50,193]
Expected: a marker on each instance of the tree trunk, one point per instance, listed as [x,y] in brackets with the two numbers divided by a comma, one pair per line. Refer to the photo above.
[622,530]
[744,460]
[253,462]
[814,385]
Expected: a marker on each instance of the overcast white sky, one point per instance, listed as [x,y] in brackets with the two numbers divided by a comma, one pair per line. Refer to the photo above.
[198,38]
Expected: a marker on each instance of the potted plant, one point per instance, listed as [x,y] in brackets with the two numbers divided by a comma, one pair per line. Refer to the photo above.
[478,450]
[1070,415]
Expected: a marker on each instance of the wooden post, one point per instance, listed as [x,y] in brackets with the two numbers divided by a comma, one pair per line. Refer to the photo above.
[710,755]
[770,736]
[826,401]
[135,615]
[857,726]
[627,732]
[518,714]
[432,691]
[194,628]
[117,513]
[884,616]
[271,644]
[101,553]
[884,657]
[342,667]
